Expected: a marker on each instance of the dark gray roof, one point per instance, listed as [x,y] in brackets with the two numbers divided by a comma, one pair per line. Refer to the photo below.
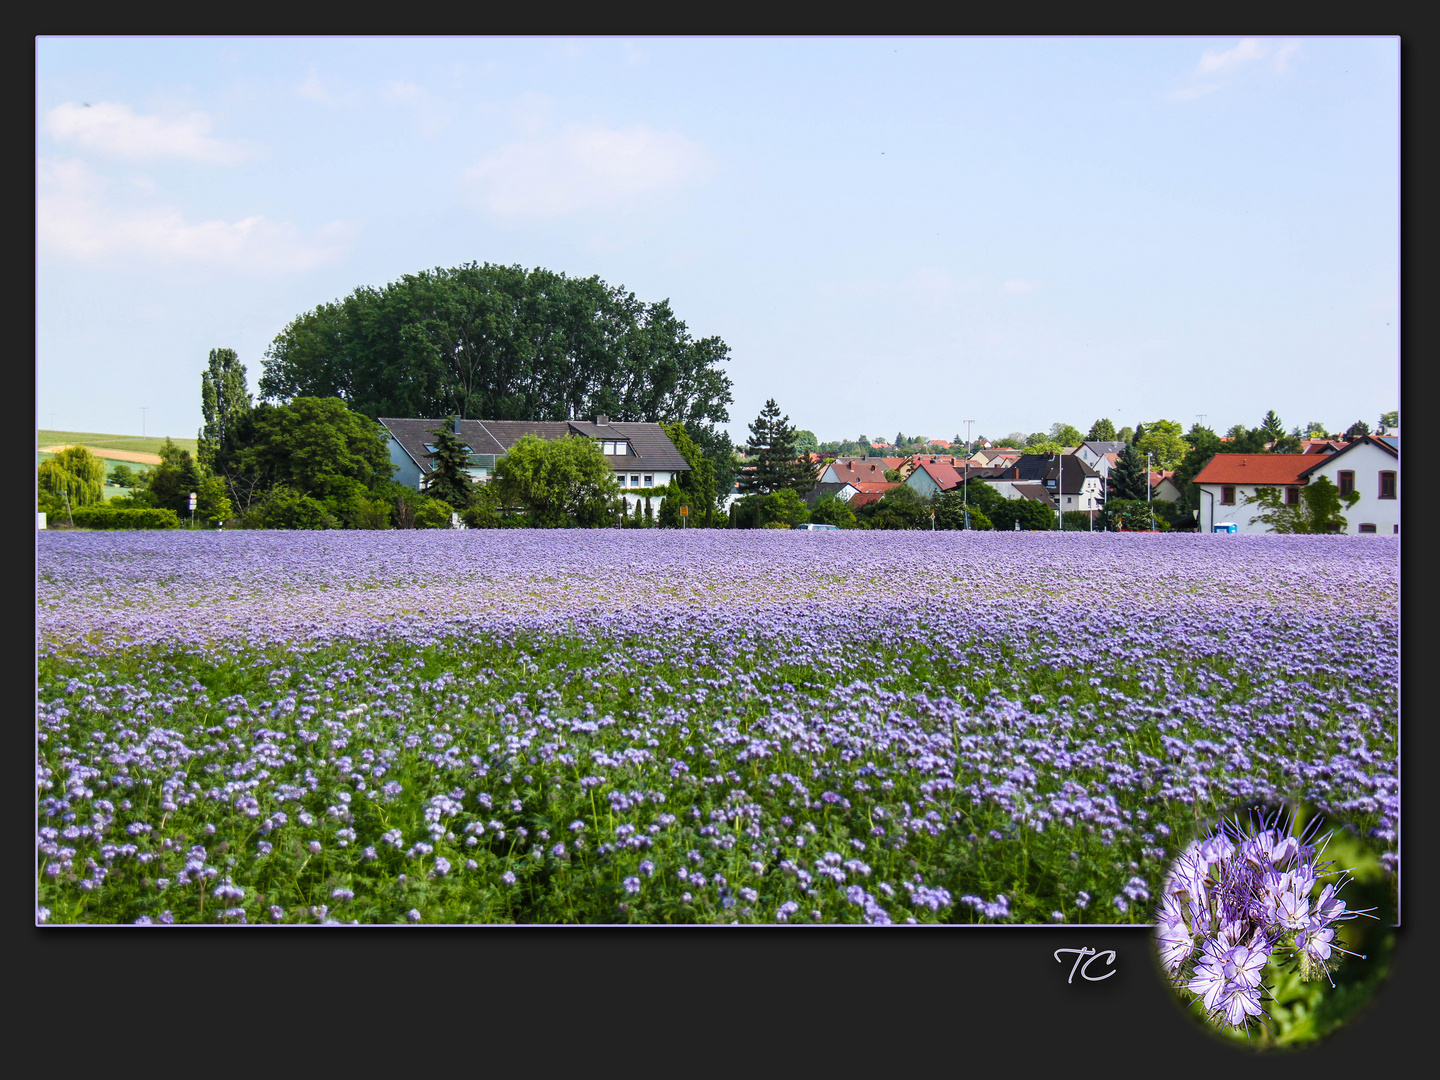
[819,491]
[653,448]
[1034,491]
[1043,467]
[1103,448]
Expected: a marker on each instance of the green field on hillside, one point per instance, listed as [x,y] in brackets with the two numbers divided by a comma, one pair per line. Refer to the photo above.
[145,444]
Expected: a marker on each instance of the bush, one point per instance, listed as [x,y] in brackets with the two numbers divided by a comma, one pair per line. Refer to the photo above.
[286,508]
[109,517]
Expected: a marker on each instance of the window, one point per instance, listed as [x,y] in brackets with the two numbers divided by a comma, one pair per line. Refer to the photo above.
[1227,495]
[1346,481]
[1292,496]
[614,447]
[1367,527]
[1387,485]
[649,481]
[1397,528]
[634,481]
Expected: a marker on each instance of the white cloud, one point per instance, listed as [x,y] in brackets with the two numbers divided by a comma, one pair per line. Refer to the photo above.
[114,129]
[75,217]
[1218,67]
[1249,49]
[582,167]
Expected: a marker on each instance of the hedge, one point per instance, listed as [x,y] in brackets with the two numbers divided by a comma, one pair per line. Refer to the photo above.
[109,517]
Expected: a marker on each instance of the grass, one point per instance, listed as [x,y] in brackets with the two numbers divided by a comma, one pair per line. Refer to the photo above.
[145,444]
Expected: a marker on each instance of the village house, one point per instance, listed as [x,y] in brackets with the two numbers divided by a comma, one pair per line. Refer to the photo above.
[641,455]
[1368,465]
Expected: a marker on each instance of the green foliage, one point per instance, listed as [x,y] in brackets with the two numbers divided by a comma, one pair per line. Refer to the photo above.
[1029,514]
[898,508]
[772,447]
[1102,431]
[1065,435]
[1389,421]
[832,510]
[502,343]
[950,507]
[450,481]
[122,476]
[1319,509]
[223,400]
[1164,441]
[1130,478]
[110,517]
[1357,430]
[1126,434]
[286,508]
[697,488]
[1133,515]
[76,472]
[315,446]
[557,483]
[1076,521]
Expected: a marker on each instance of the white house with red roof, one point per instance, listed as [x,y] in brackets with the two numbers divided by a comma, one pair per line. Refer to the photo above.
[1367,465]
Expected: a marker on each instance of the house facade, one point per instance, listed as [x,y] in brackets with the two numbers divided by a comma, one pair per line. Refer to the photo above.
[1367,466]
[641,455]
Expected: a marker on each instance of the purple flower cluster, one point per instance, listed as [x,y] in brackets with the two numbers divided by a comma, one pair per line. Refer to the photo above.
[1237,897]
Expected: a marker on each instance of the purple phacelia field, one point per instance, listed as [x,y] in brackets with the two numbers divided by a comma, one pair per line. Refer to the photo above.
[695,726]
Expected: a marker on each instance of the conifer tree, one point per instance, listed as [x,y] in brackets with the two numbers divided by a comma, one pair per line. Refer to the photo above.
[450,481]
[772,446]
[1130,479]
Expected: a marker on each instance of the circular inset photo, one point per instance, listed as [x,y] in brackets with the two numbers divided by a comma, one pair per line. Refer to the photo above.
[1275,926]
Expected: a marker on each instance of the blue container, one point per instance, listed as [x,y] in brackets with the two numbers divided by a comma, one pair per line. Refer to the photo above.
[1230,527]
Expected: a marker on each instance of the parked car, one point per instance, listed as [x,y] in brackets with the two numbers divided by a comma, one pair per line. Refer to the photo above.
[808,527]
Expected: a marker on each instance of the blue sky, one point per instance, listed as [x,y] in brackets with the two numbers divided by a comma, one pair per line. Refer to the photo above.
[891,234]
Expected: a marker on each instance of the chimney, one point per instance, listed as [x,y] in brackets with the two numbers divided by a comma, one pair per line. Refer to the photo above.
[455,425]
[601,420]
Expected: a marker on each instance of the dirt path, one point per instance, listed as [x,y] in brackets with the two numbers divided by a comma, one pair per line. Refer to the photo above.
[114,455]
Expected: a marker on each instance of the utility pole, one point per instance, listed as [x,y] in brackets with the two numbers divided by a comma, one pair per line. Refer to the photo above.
[142,419]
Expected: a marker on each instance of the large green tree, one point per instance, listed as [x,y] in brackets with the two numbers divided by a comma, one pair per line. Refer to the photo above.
[1101,431]
[501,343]
[771,448]
[696,488]
[1163,439]
[1202,445]
[557,483]
[71,478]
[223,400]
[314,446]
[1066,435]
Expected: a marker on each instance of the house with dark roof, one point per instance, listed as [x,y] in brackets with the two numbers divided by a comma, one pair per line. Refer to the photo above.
[641,455]
[1369,466]
[1100,455]
[1068,479]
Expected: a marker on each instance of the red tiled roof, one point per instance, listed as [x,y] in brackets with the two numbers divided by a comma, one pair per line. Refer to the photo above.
[944,475]
[868,486]
[1255,469]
